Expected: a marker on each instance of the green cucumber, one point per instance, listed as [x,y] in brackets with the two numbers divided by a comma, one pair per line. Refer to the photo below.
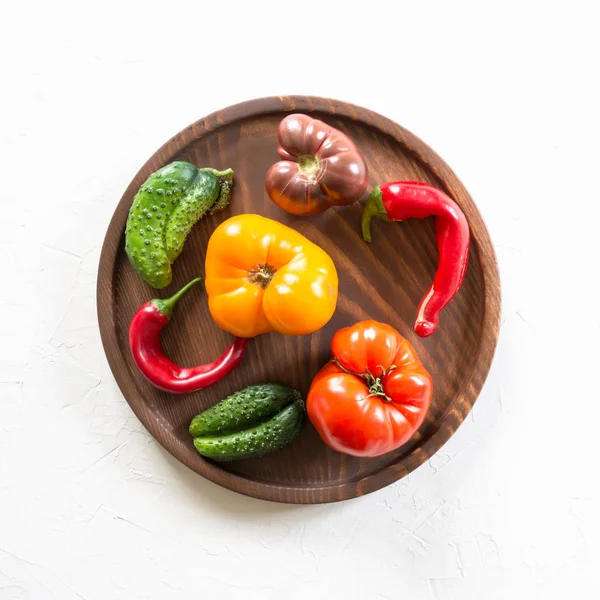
[257,441]
[164,211]
[250,423]
[244,409]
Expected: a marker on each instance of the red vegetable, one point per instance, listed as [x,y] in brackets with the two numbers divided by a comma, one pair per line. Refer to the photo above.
[320,167]
[400,200]
[144,341]
[373,394]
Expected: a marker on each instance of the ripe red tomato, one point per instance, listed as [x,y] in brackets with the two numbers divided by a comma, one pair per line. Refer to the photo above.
[373,394]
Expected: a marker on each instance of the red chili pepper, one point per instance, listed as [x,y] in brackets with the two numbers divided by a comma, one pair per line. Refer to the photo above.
[144,341]
[400,200]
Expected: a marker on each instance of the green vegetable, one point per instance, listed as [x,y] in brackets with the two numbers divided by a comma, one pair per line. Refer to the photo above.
[244,409]
[257,441]
[250,423]
[164,211]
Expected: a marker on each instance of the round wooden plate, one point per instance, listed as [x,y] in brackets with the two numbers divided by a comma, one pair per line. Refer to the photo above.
[383,280]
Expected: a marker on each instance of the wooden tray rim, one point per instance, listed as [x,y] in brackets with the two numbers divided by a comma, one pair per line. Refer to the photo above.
[472,385]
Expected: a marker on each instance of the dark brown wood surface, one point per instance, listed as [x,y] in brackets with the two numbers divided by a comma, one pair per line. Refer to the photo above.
[384,280]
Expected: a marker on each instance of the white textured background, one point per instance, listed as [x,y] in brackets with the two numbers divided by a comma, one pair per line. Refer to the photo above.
[92,508]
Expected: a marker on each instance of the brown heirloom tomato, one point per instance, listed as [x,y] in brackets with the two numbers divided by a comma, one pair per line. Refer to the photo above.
[321,167]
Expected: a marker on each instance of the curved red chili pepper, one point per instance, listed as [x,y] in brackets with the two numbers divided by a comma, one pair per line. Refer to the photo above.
[144,341]
[400,200]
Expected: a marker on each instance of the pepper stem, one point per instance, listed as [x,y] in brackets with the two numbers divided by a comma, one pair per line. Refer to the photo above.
[373,208]
[166,305]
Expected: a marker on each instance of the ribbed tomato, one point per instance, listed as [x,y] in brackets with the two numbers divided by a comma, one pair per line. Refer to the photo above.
[373,394]
[262,276]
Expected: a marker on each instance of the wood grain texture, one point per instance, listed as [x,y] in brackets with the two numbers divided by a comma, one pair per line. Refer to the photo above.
[384,280]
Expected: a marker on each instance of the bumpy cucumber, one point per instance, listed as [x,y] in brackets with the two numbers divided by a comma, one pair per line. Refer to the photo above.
[267,437]
[244,409]
[163,212]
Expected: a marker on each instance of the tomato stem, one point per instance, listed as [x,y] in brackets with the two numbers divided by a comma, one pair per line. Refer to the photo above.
[374,384]
[261,275]
[309,165]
